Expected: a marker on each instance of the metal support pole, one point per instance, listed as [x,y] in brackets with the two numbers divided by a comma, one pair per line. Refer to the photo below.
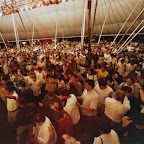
[103,27]
[15,31]
[132,38]
[83,25]
[89,32]
[124,24]
[56,35]
[3,40]
[131,35]
[96,4]
[32,35]
[130,26]
[24,27]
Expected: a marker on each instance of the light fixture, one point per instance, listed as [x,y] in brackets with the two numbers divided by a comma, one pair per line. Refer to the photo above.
[21,9]
[30,7]
[26,8]
[38,5]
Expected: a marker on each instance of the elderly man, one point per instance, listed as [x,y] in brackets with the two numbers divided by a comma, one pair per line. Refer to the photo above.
[115,109]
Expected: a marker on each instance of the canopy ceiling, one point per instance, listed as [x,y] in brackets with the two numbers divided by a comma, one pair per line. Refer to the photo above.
[69,16]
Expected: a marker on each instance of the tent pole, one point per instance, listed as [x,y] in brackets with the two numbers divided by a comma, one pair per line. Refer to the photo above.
[56,34]
[130,26]
[96,4]
[124,24]
[131,35]
[103,27]
[15,31]
[3,40]
[32,35]
[24,27]
[132,38]
[89,32]
[83,25]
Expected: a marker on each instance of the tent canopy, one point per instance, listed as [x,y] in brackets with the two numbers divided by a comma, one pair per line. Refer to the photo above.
[69,16]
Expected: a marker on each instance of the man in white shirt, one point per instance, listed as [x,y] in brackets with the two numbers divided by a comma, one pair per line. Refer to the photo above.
[90,99]
[117,107]
[40,75]
[6,68]
[130,67]
[12,104]
[112,59]
[44,132]
[121,67]
[72,109]
[103,91]
[88,121]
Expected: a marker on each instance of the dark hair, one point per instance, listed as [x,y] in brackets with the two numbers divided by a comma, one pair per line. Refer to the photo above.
[6,78]
[105,126]
[90,83]
[116,72]
[103,65]
[74,75]
[92,71]
[22,100]
[22,83]
[40,117]
[84,75]
[102,82]
[126,89]
[9,83]
[129,77]
[39,68]
[63,92]
[49,69]
[10,88]
[58,115]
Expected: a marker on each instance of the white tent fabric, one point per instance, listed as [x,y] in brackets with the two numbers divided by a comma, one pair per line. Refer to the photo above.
[69,17]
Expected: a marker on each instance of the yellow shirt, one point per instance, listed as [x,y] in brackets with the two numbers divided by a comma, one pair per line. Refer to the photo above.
[101,74]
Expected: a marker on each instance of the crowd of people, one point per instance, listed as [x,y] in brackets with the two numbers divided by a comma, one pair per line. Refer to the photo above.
[53,95]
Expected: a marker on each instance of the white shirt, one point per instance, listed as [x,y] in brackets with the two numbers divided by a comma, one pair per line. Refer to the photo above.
[43,132]
[121,68]
[12,104]
[92,77]
[41,64]
[129,68]
[111,138]
[90,99]
[39,77]
[107,56]
[115,110]
[72,109]
[113,60]
[102,93]
[5,69]
[35,87]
